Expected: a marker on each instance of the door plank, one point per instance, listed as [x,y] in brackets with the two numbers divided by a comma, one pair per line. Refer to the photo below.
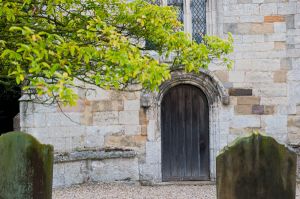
[185,134]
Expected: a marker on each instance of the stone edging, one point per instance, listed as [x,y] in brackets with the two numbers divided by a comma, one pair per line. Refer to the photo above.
[205,80]
[93,155]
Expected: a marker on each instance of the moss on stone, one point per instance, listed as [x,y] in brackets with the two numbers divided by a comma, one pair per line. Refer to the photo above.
[256,166]
[26,167]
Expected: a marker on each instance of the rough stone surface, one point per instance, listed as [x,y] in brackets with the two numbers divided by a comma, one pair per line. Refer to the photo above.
[95,166]
[110,170]
[258,167]
[26,167]
[93,155]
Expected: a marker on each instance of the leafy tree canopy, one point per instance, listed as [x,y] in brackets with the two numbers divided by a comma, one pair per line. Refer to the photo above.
[45,45]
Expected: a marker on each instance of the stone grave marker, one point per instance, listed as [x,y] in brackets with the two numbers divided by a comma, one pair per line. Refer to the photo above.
[256,167]
[26,167]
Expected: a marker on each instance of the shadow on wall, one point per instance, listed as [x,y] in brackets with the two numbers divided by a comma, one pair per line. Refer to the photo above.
[9,108]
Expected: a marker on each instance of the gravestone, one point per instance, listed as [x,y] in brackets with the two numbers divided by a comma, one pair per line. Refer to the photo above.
[256,167]
[26,167]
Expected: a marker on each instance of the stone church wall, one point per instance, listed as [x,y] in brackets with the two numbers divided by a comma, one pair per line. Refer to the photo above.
[263,87]
[266,66]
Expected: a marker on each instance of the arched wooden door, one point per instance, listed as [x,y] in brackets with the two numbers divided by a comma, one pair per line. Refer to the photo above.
[185,134]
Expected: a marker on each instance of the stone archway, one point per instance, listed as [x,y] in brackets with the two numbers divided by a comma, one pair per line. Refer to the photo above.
[217,98]
[205,80]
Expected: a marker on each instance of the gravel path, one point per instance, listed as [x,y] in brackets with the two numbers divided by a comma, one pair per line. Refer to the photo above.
[124,191]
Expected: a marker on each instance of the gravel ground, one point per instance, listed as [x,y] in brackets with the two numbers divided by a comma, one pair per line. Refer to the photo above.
[124,191]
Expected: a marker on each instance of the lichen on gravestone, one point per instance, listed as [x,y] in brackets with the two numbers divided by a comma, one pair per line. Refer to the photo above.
[26,167]
[256,167]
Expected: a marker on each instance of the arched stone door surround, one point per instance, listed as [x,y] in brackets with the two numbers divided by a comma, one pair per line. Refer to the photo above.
[217,98]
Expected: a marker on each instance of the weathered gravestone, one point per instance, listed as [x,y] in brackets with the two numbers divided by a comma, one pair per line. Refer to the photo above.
[26,167]
[256,167]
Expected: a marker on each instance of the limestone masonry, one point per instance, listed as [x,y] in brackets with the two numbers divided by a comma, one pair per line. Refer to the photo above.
[116,136]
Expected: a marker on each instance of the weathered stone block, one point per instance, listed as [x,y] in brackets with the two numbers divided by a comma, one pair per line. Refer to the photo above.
[243,131]
[279,45]
[95,135]
[132,129]
[245,121]
[106,118]
[258,109]
[261,28]
[276,37]
[274,123]
[143,117]
[153,152]
[132,105]
[240,92]
[259,77]
[244,1]
[75,173]
[222,75]
[87,116]
[253,38]
[257,167]
[280,76]
[144,130]
[79,107]
[248,100]
[279,27]
[298,109]
[58,175]
[151,130]
[121,141]
[268,8]
[236,76]
[272,90]
[121,169]
[26,167]
[274,18]
[251,19]
[39,120]
[96,93]
[243,109]
[71,119]
[285,64]
[55,119]
[107,105]
[269,110]
[129,117]
[287,8]
[26,120]
[267,100]
[290,21]
[269,64]
[294,121]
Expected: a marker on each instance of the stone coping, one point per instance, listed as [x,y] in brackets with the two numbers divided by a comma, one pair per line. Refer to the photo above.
[93,155]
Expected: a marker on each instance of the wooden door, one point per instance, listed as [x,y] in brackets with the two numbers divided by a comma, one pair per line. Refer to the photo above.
[185,134]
